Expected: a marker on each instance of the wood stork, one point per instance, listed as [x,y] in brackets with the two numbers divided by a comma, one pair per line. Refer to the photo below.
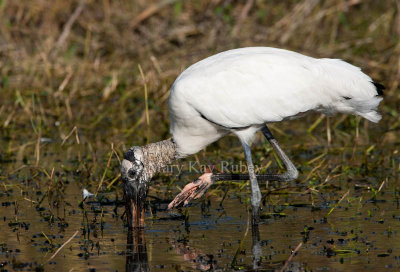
[240,91]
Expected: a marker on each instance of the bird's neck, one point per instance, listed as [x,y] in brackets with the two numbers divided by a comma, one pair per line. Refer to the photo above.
[158,155]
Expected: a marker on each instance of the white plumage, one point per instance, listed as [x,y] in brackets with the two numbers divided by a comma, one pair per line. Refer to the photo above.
[241,90]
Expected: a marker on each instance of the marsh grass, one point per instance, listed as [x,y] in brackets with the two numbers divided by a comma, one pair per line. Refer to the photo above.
[82,81]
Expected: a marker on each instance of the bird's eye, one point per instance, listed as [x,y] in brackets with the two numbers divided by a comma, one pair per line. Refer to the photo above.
[131,173]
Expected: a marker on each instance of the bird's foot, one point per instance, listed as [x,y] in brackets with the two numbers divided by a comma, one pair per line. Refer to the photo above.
[193,190]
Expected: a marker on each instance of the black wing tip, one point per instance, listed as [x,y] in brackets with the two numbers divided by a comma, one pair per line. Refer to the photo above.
[379,87]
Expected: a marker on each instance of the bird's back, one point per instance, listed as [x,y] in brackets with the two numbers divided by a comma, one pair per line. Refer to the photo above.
[249,87]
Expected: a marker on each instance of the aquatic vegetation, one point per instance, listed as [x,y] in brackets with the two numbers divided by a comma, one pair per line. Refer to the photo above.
[82,81]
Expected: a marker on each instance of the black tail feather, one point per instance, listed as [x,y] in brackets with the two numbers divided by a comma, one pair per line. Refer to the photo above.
[379,88]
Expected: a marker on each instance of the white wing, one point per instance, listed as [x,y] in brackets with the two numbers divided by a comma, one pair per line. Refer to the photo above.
[250,86]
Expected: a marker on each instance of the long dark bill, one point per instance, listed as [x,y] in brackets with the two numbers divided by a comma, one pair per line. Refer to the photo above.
[135,200]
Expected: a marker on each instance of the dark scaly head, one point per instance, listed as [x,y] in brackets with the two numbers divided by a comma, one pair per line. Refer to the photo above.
[140,164]
[135,179]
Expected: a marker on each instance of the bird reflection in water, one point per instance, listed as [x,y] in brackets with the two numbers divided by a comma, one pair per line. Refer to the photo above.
[136,251]
[195,257]
[137,257]
[256,247]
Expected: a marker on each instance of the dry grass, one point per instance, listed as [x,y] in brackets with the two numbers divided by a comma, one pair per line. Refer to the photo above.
[70,68]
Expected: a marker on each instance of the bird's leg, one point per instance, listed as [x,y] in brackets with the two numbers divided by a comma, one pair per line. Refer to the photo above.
[291,171]
[255,190]
[197,188]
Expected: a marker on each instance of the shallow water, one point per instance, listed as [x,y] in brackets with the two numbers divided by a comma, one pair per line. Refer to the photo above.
[342,213]
[360,234]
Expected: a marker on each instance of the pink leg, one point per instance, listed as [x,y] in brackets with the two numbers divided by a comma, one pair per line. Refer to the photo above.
[192,190]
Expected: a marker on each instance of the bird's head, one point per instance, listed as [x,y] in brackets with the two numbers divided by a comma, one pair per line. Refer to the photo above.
[138,167]
[134,176]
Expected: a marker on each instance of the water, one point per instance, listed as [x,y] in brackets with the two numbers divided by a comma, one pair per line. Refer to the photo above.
[41,209]
[360,234]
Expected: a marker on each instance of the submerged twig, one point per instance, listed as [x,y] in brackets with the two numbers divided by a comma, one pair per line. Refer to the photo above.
[291,256]
[381,186]
[337,204]
[62,246]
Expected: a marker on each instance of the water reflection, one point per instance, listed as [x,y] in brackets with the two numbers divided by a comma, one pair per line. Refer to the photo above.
[136,251]
[357,235]
[137,256]
[256,246]
[195,257]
